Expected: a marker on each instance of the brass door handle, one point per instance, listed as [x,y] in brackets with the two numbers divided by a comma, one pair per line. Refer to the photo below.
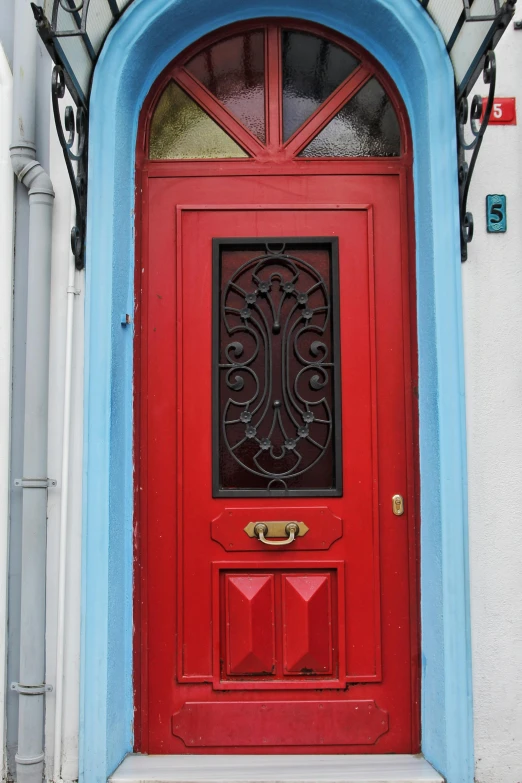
[291,530]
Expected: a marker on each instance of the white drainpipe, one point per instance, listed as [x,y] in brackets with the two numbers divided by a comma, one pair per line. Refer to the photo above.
[64,521]
[31,686]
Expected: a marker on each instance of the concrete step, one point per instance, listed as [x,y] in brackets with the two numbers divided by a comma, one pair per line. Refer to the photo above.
[275,769]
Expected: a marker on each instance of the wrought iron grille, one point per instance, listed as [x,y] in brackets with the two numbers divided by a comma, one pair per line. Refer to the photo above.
[74,32]
[276,415]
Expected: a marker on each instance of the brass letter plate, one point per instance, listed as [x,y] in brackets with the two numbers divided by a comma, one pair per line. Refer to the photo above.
[276,529]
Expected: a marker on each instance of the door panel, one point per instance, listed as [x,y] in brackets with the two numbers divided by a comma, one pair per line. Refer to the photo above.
[247,640]
[308,644]
[285,625]
[276,369]
[319,627]
[301,724]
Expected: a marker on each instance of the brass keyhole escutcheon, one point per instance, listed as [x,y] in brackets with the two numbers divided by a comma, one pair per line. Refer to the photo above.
[398,505]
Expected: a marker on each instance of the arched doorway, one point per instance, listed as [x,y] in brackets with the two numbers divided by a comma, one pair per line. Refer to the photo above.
[274,374]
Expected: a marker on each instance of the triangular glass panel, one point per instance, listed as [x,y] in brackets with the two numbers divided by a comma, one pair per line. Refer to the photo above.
[366,126]
[181,129]
[312,69]
[234,71]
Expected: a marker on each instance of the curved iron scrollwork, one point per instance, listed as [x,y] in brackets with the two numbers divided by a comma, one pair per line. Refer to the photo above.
[68,21]
[276,369]
[74,147]
[478,121]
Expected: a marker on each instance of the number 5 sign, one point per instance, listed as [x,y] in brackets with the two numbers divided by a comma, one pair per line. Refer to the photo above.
[496,214]
[504,111]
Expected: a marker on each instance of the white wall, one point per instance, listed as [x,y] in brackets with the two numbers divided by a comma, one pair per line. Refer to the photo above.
[61,259]
[492,294]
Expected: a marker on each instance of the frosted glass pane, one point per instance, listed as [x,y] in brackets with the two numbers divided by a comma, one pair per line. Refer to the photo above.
[470,39]
[312,69]
[366,126]
[234,71]
[99,21]
[182,129]
[445,14]
[67,20]
[74,52]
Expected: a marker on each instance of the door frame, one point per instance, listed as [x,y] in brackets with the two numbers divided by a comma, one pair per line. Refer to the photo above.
[401,36]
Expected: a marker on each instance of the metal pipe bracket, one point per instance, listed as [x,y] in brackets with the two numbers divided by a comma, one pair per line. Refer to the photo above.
[34,483]
[31,690]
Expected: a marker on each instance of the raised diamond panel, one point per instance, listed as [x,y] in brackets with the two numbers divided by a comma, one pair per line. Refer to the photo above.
[250,624]
[307,613]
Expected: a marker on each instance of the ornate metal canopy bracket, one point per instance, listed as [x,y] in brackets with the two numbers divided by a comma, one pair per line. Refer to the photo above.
[72,129]
[71,36]
[75,124]
[477,117]
[478,121]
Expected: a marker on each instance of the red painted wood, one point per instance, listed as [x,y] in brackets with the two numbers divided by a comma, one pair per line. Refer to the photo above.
[228,529]
[279,678]
[279,724]
[360,625]
[200,631]
[249,617]
[307,612]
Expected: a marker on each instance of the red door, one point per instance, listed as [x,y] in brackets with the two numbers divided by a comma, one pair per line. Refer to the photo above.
[275,599]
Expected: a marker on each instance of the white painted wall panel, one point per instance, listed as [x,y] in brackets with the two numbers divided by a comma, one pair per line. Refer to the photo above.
[59,280]
[492,293]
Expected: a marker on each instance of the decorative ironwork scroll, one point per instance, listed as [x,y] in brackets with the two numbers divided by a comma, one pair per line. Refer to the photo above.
[74,32]
[478,121]
[276,363]
[74,148]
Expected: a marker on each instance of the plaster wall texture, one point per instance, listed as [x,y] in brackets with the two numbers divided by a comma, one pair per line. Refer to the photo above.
[6,28]
[492,314]
[61,260]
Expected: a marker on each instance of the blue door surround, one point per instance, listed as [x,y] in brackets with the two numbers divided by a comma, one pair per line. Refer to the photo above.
[150,34]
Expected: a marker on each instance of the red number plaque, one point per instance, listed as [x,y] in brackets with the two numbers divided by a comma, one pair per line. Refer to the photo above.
[504,111]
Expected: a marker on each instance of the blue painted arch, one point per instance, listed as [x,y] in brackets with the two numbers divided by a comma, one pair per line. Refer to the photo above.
[151,33]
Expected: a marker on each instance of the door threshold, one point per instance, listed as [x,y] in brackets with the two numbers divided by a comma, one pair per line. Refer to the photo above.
[275,769]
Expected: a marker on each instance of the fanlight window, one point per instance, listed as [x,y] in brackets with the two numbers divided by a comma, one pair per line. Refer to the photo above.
[273,93]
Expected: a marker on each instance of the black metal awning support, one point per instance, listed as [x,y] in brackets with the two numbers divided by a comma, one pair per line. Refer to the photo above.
[74,39]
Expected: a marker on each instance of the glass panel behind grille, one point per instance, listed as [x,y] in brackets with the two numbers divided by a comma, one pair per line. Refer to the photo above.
[276,381]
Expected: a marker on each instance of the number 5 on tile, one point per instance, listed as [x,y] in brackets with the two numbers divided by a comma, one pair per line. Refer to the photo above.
[496,219]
